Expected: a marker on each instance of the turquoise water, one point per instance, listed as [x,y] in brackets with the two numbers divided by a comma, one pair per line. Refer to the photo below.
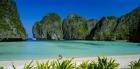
[49,49]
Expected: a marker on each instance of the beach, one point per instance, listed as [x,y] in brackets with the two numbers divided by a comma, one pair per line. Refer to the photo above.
[123,60]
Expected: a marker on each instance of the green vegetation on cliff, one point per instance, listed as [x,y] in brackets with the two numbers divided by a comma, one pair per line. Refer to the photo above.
[74,27]
[10,24]
[104,29]
[128,27]
[48,28]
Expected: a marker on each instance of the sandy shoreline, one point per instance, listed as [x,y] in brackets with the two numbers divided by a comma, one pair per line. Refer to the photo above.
[123,60]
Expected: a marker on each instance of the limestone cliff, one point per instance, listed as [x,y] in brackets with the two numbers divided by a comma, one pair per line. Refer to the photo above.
[105,28]
[74,27]
[128,27]
[48,28]
[10,24]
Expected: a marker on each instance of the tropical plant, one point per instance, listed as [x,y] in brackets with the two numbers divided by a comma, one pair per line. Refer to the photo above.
[14,67]
[1,68]
[64,64]
[134,64]
[104,63]
[42,65]
[86,65]
[28,66]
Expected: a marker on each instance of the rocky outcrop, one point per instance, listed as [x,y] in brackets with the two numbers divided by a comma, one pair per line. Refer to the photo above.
[105,28]
[91,25]
[74,27]
[48,28]
[37,31]
[128,27]
[10,24]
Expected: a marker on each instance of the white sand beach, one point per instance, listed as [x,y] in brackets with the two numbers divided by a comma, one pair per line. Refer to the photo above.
[123,60]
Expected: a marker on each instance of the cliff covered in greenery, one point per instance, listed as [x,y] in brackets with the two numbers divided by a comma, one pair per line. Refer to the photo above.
[104,29]
[74,27]
[128,27]
[10,24]
[48,28]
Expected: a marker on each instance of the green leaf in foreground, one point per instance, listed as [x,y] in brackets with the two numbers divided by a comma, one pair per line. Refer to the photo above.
[42,65]
[86,65]
[104,63]
[63,64]
[28,66]
[14,67]
[135,64]
[1,68]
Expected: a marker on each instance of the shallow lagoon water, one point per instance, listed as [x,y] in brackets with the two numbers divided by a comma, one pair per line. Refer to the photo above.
[72,48]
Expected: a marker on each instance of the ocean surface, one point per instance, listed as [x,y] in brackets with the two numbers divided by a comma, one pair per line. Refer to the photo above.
[73,48]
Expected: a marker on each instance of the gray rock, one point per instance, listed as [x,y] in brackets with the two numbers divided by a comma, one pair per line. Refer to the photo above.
[128,27]
[74,27]
[48,28]
[105,28]
[91,24]
[10,24]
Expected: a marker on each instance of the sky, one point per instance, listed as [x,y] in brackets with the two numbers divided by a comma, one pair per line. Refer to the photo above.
[31,11]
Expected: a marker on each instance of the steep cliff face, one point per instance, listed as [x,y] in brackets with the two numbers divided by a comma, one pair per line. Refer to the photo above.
[48,28]
[74,27]
[128,27]
[37,31]
[91,24]
[104,29]
[10,24]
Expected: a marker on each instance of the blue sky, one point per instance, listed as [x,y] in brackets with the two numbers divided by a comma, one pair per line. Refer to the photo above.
[32,11]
